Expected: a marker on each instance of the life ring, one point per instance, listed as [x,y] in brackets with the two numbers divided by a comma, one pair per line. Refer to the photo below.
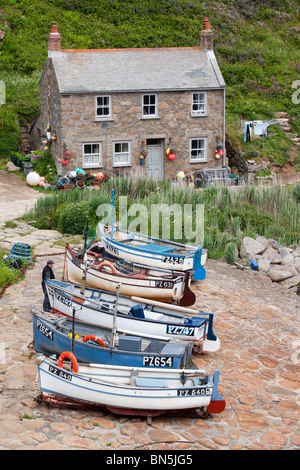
[94,338]
[109,265]
[70,356]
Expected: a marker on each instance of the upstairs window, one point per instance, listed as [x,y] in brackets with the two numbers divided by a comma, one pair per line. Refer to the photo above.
[122,154]
[198,150]
[149,106]
[91,155]
[103,107]
[198,104]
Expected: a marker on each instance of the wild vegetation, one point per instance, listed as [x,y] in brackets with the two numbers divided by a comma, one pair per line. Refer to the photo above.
[256,43]
[257,47]
[229,213]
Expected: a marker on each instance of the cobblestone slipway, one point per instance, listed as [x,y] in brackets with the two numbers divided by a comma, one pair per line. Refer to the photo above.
[257,322]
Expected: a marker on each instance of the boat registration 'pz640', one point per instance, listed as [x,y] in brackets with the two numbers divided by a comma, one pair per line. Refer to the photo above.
[194,391]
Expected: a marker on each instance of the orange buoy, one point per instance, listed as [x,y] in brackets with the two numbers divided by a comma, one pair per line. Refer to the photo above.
[94,338]
[69,355]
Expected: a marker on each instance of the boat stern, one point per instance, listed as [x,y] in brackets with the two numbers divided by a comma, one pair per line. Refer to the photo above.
[217,403]
[199,261]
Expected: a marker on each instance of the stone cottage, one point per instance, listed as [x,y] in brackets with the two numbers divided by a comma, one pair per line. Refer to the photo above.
[148,112]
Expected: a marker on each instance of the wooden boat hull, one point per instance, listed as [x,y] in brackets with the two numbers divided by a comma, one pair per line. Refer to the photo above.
[165,288]
[130,390]
[55,337]
[98,308]
[154,252]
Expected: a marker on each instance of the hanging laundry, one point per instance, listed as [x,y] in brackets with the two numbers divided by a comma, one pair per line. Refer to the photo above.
[259,128]
[247,131]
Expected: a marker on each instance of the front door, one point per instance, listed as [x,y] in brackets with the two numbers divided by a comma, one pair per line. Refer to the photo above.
[154,159]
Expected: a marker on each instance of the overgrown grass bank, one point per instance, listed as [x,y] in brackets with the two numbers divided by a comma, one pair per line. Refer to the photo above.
[7,275]
[256,44]
[229,213]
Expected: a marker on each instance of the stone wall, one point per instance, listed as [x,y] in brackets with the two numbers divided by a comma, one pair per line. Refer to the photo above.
[174,124]
[50,114]
[72,117]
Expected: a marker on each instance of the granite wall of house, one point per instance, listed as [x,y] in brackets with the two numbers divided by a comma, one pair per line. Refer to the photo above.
[174,124]
[50,115]
[72,117]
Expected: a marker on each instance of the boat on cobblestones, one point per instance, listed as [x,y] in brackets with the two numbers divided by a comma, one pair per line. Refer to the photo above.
[52,335]
[135,279]
[132,314]
[129,390]
[153,252]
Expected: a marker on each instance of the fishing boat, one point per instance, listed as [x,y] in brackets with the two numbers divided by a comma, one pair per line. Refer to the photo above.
[137,315]
[128,390]
[91,344]
[153,252]
[134,279]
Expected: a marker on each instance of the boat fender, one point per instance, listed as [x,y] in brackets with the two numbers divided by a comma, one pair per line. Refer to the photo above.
[94,338]
[69,355]
[109,265]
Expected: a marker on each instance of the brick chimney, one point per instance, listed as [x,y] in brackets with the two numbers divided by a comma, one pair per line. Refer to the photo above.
[206,37]
[54,39]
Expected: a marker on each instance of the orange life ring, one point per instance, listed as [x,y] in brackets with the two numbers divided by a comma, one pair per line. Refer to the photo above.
[109,265]
[70,356]
[94,338]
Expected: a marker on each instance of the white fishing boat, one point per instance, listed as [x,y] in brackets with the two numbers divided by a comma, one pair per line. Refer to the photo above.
[107,274]
[153,252]
[132,315]
[129,390]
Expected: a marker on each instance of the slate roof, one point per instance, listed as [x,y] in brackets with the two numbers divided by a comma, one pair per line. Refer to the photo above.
[131,70]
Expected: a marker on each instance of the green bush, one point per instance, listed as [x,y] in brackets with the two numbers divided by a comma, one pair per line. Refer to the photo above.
[296,192]
[231,253]
[71,218]
[8,275]
[45,165]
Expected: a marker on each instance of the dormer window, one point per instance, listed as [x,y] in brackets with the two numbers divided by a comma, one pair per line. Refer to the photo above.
[103,107]
[198,104]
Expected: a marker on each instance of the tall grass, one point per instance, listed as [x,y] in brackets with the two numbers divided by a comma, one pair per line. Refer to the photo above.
[229,213]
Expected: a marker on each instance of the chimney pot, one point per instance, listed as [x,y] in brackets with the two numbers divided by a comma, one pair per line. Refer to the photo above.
[206,37]
[54,39]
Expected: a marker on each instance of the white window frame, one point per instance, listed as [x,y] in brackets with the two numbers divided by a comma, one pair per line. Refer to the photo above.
[201,146]
[122,153]
[149,105]
[198,100]
[95,157]
[103,106]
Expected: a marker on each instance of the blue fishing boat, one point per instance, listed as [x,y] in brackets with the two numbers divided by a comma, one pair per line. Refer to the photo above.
[153,252]
[91,344]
